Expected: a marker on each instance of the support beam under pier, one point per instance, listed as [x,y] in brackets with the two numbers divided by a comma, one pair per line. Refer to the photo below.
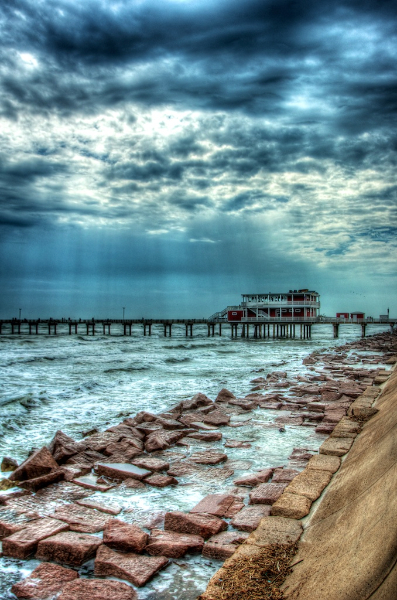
[167,327]
[211,329]
[126,326]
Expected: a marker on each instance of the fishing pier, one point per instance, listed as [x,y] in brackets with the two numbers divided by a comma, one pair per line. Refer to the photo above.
[247,327]
[265,315]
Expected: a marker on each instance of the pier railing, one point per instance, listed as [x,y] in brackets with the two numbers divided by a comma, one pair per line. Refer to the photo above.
[265,319]
[258,304]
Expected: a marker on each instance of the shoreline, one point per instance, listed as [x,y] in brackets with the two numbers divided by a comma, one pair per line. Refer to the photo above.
[330,536]
[202,419]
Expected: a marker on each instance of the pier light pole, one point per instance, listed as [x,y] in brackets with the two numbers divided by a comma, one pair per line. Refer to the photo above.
[123,312]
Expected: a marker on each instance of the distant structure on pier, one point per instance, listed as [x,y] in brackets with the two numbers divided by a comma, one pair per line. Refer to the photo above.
[354,316]
[295,305]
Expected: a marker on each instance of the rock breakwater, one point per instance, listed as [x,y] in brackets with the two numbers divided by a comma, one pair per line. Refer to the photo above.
[345,548]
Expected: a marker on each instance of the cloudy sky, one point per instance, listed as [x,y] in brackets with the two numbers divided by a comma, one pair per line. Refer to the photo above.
[167,156]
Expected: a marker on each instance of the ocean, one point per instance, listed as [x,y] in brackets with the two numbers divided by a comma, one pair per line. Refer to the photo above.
[77,383]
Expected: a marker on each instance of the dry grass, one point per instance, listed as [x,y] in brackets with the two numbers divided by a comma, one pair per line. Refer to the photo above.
[259,577]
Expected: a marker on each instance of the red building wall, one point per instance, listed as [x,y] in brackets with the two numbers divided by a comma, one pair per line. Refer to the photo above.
[235,315]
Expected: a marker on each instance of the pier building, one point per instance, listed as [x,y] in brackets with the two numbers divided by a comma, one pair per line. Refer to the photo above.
[296,305]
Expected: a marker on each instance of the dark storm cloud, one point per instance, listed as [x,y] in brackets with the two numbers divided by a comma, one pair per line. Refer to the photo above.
[97,32]
[189,202]
[20,205]
[224,55]
[26,171]
[14,221]
[255,201]
[321,73]
[381,234]
[185,146]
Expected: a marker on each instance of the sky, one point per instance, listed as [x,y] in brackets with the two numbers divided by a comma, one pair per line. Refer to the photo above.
[166,156]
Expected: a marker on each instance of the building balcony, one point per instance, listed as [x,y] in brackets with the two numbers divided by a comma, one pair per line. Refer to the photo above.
[294,319]
[281,303]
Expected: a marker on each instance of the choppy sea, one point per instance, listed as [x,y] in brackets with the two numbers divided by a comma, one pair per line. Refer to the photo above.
[75,383]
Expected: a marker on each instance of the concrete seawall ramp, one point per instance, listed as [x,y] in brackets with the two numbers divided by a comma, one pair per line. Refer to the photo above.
[349,546]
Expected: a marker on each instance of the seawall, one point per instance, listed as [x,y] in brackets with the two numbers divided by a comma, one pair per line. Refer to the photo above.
[347,544]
